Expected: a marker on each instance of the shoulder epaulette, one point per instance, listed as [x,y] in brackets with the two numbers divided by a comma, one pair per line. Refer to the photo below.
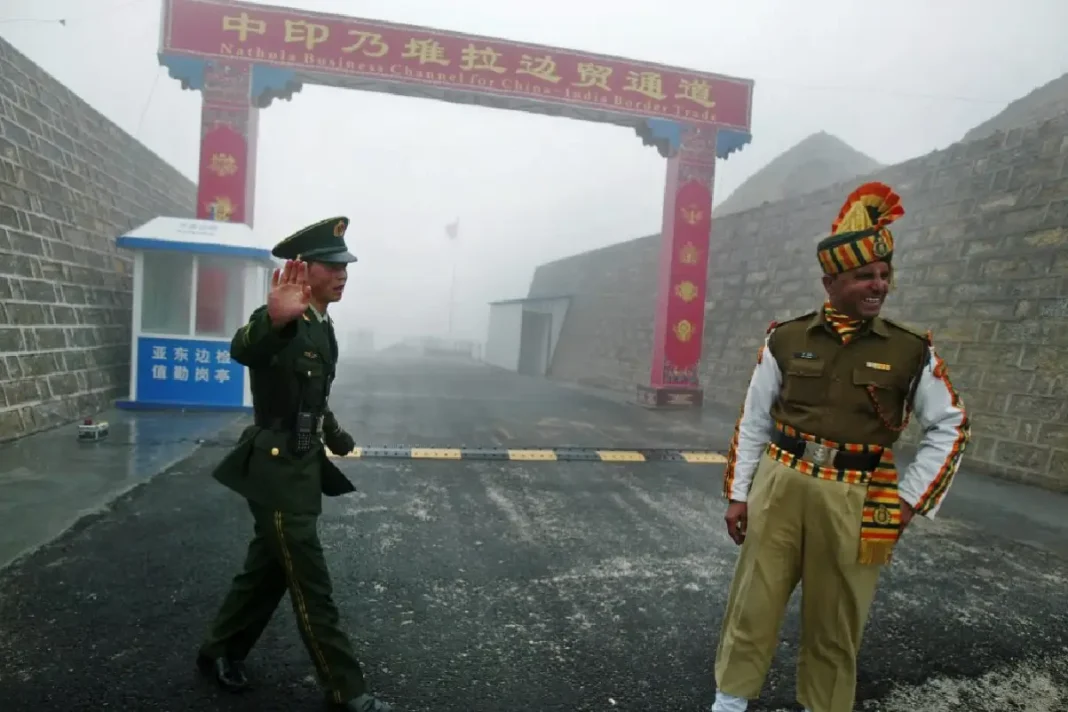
[799,317]
[924,335]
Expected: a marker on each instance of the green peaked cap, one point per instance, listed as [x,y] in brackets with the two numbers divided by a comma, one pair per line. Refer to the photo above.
[322,242]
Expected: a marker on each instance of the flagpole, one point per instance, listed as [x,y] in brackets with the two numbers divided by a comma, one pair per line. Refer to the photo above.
[452,290]
[451,231]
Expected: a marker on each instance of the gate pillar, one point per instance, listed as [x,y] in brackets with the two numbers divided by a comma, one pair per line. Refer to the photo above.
[233,92]
[229,128]
[683,273]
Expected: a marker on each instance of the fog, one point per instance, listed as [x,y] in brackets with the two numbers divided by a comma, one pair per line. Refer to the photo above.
[893,81]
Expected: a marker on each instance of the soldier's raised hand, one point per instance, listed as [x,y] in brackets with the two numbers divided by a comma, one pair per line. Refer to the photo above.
[290,294]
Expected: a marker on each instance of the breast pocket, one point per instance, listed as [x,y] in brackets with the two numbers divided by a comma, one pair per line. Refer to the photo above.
[804,382]
[886,388]
[311,373]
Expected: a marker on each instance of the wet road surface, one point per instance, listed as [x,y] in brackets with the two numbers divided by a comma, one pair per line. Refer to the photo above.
[492,587]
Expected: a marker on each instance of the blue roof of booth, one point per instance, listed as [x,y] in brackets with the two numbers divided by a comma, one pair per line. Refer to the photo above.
[207,237]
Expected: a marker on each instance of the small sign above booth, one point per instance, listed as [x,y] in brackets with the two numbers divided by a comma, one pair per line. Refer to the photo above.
[195,283]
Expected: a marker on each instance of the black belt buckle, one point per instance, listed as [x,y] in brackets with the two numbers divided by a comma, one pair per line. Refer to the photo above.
[823,455]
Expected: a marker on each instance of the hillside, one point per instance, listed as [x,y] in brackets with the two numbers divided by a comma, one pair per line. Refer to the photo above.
[816,162]
[1045,102]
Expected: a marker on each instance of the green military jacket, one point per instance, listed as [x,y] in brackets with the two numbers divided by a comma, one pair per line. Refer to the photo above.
[855,393]
[285,367]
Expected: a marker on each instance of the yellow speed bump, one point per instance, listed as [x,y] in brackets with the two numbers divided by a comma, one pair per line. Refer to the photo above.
[530,455]
[702,457]
[620,456]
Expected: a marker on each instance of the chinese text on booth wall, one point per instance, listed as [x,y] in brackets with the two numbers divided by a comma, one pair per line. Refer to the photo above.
[200,369]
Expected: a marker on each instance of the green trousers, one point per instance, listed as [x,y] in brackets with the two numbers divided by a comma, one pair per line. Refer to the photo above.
[285,554]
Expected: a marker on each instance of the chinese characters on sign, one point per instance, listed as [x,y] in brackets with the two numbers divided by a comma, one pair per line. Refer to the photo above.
[188,371]
[339,45]
[178,357]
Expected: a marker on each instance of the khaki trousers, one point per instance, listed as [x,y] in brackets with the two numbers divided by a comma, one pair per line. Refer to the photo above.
[803,529]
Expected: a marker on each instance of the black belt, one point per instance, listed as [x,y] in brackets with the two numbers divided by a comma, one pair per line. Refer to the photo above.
[286,424]
[824,456]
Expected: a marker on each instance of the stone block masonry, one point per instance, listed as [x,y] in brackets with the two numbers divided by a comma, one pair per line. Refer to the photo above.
[70,182]
[982,262]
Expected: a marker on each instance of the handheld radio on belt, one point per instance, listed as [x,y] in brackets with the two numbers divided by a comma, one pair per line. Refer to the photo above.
[304,425]
[304,431]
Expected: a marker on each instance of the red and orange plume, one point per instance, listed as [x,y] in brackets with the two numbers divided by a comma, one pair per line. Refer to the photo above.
[872,205]
[859,235]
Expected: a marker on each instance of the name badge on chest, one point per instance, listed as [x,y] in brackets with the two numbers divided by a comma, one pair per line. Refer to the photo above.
[807,355]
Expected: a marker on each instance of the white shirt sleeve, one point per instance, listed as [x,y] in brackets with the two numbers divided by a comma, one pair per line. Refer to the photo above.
[754,428]
[946,432]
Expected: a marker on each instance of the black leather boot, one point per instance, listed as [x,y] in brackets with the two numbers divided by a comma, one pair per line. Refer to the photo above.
[229,674]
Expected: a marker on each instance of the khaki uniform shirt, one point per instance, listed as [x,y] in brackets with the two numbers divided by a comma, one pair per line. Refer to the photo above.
[827,387]
[806,378]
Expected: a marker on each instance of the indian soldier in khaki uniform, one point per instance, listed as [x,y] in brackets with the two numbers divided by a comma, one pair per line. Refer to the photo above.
[281,468]
[814,493]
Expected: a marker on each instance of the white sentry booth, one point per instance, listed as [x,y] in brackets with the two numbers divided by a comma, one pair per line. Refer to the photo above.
[195,284]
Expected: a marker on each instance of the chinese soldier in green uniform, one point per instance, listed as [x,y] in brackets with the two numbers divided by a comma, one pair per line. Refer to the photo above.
[281,468]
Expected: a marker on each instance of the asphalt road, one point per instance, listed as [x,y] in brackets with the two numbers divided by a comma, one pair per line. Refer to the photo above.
[493,587]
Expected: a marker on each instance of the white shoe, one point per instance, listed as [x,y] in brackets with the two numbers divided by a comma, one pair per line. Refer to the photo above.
[729,703]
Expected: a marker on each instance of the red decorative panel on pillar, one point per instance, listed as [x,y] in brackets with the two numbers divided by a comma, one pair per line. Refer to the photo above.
[683,276]
[224,174]
[228,135]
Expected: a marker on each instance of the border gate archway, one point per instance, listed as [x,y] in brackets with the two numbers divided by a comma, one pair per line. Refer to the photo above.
[242,56]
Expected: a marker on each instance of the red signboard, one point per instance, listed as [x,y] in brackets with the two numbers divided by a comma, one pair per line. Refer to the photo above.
[404,54]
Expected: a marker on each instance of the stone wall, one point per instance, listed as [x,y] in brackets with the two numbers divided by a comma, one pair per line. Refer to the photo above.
[70,182]
[983,263]
[607,336]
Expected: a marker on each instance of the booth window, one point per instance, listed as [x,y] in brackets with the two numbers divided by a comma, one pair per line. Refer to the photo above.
[165,303]
[220,293]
